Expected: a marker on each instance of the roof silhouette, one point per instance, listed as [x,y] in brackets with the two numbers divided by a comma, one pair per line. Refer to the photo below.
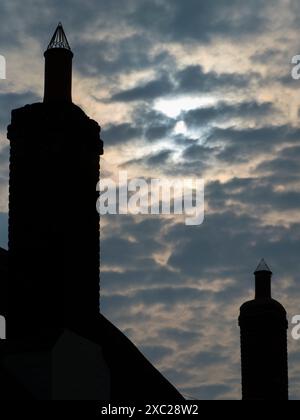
[262,266]
[59,39]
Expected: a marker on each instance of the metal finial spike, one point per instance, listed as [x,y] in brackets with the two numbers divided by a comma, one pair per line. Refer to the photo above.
[59,39]
[263,266]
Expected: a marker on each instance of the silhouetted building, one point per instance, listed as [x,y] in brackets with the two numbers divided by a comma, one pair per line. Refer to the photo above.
[58,345]
[263,324]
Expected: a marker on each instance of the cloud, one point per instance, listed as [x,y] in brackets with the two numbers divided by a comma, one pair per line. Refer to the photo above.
[111,57]
[128,252]
[227,237]
[121,133]
[138,278]
[207,358]
[145,92]
[224,112]
[284,165]
[223,239]
[159,158]
[4,158]
[146,125]
[178,335]
[243,143]
[207,392]
[261,193]
[152,160]
[191,80]
[194,21]
[156,353]
[194,161]
[268,55]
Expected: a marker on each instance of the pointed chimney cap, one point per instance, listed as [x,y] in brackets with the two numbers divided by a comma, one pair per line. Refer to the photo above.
[59,39]
[262,266]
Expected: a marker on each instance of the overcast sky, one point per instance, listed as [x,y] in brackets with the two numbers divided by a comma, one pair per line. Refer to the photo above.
[181,88]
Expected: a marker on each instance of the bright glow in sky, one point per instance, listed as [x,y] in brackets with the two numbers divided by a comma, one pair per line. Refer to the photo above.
[173,107]
[180,128]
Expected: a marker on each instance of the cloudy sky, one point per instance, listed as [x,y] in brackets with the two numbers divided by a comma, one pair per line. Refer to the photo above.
[193,88]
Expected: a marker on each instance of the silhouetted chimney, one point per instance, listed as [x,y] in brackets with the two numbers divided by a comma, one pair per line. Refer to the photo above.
[58,68]
[263,276]
[53,222]
[264,326]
